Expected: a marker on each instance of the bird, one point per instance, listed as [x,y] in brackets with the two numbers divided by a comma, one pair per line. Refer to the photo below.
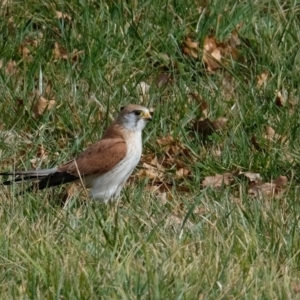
[103,167]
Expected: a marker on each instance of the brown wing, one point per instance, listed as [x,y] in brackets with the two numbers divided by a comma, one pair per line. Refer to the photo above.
[97,159]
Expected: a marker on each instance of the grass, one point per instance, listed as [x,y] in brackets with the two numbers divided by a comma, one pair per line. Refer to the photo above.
[204,244]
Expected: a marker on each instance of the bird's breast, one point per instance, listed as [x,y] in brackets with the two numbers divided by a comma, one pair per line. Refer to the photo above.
[134,149]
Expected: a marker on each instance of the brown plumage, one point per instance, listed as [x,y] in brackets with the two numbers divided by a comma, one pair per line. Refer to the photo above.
[103,167]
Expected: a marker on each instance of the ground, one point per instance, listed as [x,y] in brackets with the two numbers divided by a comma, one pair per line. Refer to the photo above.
[212,211]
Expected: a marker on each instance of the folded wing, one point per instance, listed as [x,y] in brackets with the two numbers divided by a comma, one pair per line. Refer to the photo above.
[97,159]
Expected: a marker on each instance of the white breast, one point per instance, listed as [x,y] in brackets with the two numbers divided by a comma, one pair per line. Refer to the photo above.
[109,185]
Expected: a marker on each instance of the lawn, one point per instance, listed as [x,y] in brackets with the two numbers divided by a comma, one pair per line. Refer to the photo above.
[212,210]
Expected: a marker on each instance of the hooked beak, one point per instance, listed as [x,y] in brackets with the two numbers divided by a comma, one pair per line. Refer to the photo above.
[146,115]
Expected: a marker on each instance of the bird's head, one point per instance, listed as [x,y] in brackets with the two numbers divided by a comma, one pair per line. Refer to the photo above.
[134,117]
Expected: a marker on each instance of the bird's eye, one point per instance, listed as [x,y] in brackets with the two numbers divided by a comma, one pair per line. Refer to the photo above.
[137,112]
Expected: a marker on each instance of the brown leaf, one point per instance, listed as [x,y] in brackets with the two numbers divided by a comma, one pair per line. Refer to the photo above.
[190,48]
[61,15]
[271,135]
[208,127]
[280,99]
[262,79]
[210,44]
[255,143]
[10,68]
[174,157]
[149,158]
[150,168]
[165,141]
[220,123]
[270,132]
[259,189]
[269,189]
[296,288]
[204,127]
[253,177]
[212,54]
[147,173]
[280,181]
[29,44]
[60,52]
[162,79]
[41,105]
[212,60]
[234,39]
[218,180]
[182,172]
[24,51]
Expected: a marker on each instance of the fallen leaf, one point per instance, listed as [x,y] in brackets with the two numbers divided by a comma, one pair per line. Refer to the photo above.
[271,135]
[60,52]
[296,288]
[280,181]
[218,180]
[262,79]
[147,173]
[209,44]
[29,44]
[10,68]
[24,51]
[253,177]
[165,141]
[207,127]
[280,99]
[41,105]
[61,15]
[181,173]
[150,168]
[234,39]
[204,127]
[259,189]
[173,148]
[212,53]
[162,79]
[190,48]
[255,143]
[269,189]
[151,160]
[215,54]
[220,123]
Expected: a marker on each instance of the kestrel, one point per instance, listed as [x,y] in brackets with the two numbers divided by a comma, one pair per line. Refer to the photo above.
[103,167]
